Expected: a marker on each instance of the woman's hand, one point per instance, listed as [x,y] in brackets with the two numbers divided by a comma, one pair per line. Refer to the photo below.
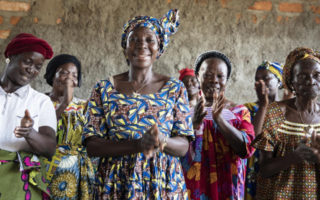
[150,141]
[262,92]
[199,113]
[315,140]
[218,104]
[26,126]
[307,153]
[287,94]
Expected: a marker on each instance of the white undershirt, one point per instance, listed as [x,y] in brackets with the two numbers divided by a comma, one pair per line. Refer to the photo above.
[12,109]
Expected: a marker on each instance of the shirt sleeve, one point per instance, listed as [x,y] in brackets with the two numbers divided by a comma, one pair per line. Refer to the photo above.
[47,115]
[267,139]
[95,119]
[247,130]
[182,119]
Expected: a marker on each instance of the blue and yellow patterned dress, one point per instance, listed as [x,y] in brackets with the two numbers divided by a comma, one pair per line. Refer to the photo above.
[70,172]
[115,116]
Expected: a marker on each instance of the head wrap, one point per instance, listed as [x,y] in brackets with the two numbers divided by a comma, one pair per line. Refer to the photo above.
[163,28]
[212,54]
[273,67]
[25,42]
[56,62]
[300,53]
[186,72]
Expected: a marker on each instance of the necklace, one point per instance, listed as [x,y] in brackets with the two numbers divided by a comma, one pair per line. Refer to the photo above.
[136,92]
[308,130]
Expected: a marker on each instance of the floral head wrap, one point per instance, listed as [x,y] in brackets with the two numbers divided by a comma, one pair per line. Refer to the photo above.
[294,56]
[163,28]
[273,67]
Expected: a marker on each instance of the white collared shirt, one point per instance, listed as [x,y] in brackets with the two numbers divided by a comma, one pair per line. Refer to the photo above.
[12,110]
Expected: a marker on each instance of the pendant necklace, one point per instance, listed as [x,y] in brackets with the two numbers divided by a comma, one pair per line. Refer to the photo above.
[308,130]
[136,92]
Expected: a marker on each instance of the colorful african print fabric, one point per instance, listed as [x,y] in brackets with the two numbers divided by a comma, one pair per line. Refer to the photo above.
[300,181]
[22,176]
[212,170]
[116,116]
[70,172]
[252,162]
[163,28]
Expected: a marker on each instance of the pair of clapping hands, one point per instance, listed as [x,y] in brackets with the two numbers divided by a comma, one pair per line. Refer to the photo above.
[152,141]
[218,103]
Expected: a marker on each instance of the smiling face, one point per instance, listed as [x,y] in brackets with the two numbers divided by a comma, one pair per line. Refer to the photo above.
[306,78]
[63,73]
[142,47]
[192,86]
[213,77]
[24,68]
[269,79]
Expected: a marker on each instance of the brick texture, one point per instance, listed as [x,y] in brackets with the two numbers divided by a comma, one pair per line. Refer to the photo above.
[4,34]
[14,20]
[315,9]
[14,6]
[261,5]
[290,7]
[224,3]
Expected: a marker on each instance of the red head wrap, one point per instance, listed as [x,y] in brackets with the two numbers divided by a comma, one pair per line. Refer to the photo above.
[25,42]
[186,72]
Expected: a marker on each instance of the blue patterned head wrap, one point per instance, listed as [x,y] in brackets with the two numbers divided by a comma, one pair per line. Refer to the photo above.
[163,28]
[273,67]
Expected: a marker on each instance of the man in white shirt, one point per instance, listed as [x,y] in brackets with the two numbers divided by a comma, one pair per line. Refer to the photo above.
[27,120]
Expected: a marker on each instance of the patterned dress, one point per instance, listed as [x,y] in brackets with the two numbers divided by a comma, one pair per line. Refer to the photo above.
[29,183]
[300,181]
[70,173]
[212,169]
[116,116]
[252,162]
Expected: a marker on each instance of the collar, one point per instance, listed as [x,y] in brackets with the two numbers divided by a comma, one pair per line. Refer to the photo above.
[21,92]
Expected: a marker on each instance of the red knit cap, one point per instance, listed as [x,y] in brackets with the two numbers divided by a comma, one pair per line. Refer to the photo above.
[186,72]
[25,42]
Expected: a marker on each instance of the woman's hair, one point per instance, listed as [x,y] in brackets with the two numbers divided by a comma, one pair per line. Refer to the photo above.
[293,58]
[212,54]
[56,62]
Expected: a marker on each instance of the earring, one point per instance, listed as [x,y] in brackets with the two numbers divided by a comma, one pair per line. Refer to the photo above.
[7,60]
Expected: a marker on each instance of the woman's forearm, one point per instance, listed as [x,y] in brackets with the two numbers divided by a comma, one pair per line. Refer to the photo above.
[270,165]
[177,146]
[259,119]
[60,109]
[103,148]
[233,136]
[42,142]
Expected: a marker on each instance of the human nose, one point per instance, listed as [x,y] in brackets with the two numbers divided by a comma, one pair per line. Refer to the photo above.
[32,69]
[214,79]
[141,43]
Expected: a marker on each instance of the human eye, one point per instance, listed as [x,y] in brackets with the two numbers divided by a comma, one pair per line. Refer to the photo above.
[38,67]
[27,61]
